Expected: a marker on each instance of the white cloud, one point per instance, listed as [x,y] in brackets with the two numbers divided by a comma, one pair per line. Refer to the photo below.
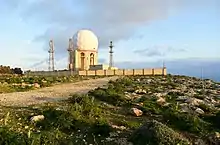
[110,19]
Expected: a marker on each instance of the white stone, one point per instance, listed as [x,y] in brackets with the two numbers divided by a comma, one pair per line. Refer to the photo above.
[37,118]
[199,111]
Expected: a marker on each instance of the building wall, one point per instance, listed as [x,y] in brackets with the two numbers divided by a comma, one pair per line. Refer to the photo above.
[77,59]
[47,73]
[120,72]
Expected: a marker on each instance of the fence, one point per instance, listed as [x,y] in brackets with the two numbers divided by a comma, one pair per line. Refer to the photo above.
[120,72]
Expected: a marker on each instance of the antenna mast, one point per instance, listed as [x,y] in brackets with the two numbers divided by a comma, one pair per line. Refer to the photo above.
[203,86]
[51,56]
[111,55]
[70,51]
[163,60]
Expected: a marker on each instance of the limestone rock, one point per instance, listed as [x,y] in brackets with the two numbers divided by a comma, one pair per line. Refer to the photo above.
[136,112]
[194,101]
[36,85]
[140,91]
[37,118]
[182,98]
[199,111]
[161,101]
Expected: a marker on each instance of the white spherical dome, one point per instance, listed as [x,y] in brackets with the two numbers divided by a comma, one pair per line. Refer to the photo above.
[85,40]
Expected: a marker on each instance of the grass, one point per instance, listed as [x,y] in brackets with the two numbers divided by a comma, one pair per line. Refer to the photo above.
[90,119]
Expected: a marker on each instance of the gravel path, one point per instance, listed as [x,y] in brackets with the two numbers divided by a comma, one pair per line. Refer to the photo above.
[54,93]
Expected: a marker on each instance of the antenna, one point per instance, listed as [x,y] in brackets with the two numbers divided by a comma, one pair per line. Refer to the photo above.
[70,51]
[111,55]
[163,62]
[51,56]
[202,77]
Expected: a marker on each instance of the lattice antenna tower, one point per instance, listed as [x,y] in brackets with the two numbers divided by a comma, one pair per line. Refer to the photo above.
[51,56]
[111,55]
[70,51]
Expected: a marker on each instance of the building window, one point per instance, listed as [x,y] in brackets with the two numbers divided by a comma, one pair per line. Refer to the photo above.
[92,59]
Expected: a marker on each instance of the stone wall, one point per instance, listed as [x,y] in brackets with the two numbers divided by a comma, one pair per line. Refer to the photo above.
[120,72]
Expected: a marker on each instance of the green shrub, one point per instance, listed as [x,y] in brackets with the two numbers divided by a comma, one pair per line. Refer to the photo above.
[84,106]
[109,95]
[11,138]
[151,106]
[156,133]
[185,121]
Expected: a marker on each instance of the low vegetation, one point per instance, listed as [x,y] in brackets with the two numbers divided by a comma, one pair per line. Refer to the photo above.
[132,110]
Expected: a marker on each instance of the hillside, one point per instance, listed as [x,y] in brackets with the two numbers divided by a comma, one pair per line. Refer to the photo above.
[131,110]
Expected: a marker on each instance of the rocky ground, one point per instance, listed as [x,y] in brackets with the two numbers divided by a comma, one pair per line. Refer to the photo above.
[137,110]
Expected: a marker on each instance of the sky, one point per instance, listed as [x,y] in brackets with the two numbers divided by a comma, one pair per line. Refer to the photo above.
[144,32]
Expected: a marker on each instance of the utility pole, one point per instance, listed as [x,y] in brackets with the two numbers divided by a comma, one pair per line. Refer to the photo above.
[51,56]
[111,55]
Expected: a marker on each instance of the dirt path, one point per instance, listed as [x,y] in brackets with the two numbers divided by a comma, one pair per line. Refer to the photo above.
[53,93]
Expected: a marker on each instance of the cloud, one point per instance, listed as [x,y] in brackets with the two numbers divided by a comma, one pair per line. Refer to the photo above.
[159,51]
[110,19]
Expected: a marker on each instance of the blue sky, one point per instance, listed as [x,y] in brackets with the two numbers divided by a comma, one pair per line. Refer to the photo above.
[142,31]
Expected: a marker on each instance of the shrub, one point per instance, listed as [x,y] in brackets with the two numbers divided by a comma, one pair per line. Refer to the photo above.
[11,138]
[185,121]
[109,95]
[156,133]
[84,106]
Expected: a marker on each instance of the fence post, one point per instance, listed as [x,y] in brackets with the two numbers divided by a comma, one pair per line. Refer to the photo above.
[114,72]
[105,72]
[153,71]
[95,72]
[86,72]
[133,72]
[143,71]
[123,72]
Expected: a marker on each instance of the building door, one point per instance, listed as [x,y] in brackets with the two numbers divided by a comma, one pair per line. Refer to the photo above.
[82,57]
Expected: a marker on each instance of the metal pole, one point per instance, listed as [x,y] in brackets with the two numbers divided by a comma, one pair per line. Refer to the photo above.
[111,55]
